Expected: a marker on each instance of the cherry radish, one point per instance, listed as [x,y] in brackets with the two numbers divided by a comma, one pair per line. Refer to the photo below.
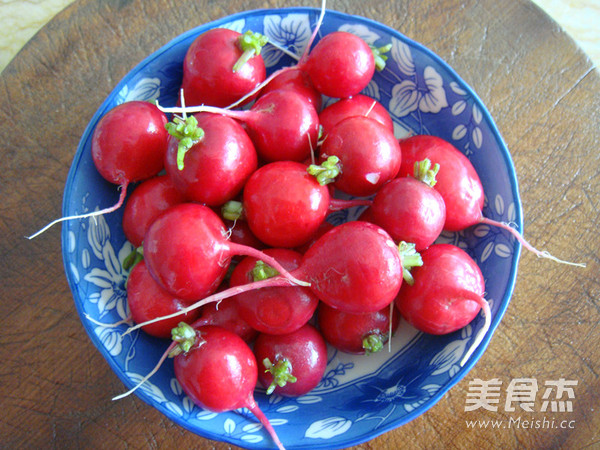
[291,364]
[218,372]
[209,158]
[410,209]
[458,182]
[275,310]
[369,155]
[147,300]
[284,205]
[459,185]
[357,105]
[358,334]
[447,293]
[340,65]
[222,65]
[187,252]
[128,145]
[147,201]
[355,267]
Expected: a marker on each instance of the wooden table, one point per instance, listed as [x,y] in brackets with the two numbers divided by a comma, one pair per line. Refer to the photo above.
[544,94]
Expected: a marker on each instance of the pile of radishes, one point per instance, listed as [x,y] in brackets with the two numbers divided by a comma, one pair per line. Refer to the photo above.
[235,260]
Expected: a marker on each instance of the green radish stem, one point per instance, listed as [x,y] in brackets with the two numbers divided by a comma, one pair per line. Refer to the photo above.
[379,53]
[410,258]
[188,134]
[281,371]
[327,171]
[425,172]
[133,258]
[372,343]
[250,44]
[232,210]
[263,271]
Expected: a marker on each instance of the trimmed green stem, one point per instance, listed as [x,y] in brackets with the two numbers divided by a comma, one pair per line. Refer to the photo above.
[262,271]
[232,210]
[425,172]
[133,258]
[185,337]
[250,44]
[372,343]
[327,171]
[410,258]
[281,371]
[187,133]
[379,53]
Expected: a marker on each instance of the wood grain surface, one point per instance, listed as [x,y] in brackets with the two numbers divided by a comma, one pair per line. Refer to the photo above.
[544,94]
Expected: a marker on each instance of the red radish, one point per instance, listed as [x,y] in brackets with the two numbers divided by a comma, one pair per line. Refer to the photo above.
[128,145]
[358,334]
[226,315]
[458,182]
[298,81]
[356,267]
[447,292]
[147,201]
[214,164]
[187,252]
[129,142]
[357,105]
[291,364]
[410,209]
[218,372]
[459,185]
[284,205]
[147,300]
[369,155]
[340,65]
[210,72]
[275,310]
[283,125]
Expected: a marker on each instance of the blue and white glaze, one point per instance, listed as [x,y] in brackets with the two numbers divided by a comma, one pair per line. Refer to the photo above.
[359,397]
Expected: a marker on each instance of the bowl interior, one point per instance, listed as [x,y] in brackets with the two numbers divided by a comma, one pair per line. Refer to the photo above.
[359,397]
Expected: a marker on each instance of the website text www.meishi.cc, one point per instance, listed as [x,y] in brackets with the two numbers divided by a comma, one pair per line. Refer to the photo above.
[520,422]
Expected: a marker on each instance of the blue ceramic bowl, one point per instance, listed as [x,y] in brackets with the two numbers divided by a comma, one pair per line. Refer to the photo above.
[359,397]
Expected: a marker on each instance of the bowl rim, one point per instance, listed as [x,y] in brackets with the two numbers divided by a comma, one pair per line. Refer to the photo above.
[505,153]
